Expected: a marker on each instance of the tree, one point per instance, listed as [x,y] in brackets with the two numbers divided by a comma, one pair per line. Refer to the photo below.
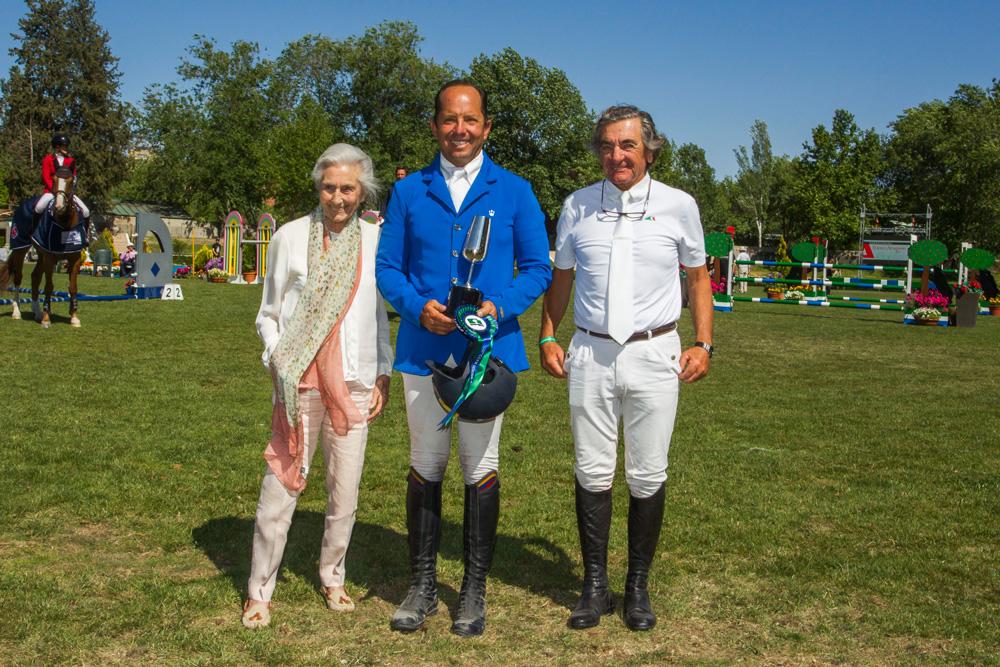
[696,177]
[755,177]
[293,146]
[64,78]
[541,125]
[839,171]
[947,154]
[376,89]
[209,141]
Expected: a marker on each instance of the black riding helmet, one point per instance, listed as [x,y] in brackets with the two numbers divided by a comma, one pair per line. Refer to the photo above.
[60,139]
[493,396]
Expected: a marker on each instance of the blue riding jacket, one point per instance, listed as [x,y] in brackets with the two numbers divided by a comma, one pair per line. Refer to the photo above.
[420,258]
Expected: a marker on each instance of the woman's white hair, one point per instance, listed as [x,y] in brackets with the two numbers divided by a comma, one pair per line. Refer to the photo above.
[348,154]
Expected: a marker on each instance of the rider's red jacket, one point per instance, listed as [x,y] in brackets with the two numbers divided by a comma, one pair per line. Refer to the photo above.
[49,165]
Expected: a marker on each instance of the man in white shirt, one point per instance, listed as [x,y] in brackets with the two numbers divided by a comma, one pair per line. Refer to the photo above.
[743,269]
[626,237]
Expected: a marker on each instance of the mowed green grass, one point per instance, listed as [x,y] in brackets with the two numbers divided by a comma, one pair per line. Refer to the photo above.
[833,499]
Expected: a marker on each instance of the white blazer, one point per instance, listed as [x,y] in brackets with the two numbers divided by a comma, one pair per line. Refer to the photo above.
[364,335]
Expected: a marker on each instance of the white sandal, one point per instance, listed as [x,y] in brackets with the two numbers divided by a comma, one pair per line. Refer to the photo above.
[256,614]
[337,598]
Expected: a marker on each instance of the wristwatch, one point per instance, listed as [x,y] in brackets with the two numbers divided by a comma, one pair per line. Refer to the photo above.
[705,346]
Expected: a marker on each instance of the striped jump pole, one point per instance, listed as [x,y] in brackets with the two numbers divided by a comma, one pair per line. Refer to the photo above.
[822,265]
[888,285]
[819,303]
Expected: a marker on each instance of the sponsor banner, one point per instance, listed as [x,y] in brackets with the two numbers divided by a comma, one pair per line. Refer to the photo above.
[888,251]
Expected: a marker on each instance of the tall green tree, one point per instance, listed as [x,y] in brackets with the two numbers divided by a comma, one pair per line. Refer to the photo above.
[946,153]
[541,125]
[375,88]
[64,78]
[839,170]
[755,178]
[209,139]
[696,176]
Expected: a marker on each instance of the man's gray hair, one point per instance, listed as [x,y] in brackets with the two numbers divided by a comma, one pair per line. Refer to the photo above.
[651,139]
[348,154]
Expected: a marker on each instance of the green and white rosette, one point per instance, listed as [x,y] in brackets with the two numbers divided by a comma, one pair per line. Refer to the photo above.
[480,330]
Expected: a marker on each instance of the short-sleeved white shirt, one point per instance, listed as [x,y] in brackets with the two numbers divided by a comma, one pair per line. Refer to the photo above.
[668,235]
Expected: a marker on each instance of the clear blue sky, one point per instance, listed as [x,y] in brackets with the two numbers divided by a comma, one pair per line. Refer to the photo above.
[705,70]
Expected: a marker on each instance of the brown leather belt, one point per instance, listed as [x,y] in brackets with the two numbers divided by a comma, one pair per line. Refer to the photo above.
[642,335]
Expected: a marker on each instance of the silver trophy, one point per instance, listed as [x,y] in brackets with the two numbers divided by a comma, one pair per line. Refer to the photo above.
[477,241]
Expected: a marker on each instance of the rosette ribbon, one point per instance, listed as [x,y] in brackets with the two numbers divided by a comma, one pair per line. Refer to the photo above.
[479,330]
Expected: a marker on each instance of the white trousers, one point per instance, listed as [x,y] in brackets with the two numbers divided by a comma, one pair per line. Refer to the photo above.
[478,444]
[43,203]
[744,272]
[344,457]
[635,384]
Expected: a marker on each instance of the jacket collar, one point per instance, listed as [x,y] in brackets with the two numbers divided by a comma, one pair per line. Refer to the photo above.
[436,185]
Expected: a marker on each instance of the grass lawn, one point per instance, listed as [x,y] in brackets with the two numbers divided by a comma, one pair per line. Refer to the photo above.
[833,499]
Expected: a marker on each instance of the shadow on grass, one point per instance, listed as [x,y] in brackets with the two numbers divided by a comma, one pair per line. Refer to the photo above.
[378,558]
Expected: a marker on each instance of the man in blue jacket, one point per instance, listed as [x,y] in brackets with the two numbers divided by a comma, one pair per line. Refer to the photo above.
[419,259]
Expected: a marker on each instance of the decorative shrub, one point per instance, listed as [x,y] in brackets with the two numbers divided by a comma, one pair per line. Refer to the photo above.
[202,256]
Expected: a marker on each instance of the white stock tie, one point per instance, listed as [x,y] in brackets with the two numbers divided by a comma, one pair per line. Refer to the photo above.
[621,321]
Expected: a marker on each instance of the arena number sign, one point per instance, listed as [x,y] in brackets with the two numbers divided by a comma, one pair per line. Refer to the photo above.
[172,292]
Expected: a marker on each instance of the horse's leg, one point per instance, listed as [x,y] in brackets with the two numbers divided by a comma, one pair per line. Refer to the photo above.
[74,270]
[36,281]
[49,262]
[6,273]
[16,268]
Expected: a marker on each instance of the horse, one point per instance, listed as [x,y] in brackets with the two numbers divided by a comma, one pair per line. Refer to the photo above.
[61,235]
[20,244]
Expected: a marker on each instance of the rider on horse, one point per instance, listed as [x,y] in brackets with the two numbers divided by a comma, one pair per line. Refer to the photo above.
[59,157]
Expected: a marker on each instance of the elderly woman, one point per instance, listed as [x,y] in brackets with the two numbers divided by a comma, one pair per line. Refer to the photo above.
[326,343]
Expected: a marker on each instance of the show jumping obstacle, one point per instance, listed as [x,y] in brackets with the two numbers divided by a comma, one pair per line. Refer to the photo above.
[924,254]
[234,245]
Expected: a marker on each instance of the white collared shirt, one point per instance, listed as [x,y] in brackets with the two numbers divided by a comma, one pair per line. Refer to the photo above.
[460,179]
[364,335]
[669,234]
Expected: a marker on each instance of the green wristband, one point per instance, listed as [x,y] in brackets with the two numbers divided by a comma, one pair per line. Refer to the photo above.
[547,339]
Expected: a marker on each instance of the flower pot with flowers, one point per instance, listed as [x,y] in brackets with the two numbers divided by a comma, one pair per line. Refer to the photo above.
[719,296]
[183,272]
[775,290]
[215,264]
[926,308]
[794,295]
[994,305]
[217,276]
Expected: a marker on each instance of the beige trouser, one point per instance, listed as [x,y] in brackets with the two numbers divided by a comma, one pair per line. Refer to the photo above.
[344,457]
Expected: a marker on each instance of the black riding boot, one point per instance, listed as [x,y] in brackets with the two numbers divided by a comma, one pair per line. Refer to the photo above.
[645,516]
[593,520]
[423,526]
[482,511]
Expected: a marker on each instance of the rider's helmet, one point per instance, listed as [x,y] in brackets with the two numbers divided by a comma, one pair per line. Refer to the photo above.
[60,140]
[491,398]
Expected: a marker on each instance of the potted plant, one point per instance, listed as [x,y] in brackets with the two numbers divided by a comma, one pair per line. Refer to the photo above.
[794,295]
[926,309]
[214,263]
[775,290]
[719,295]
[926,315]
[249,264]
[994,305]
[217,276]
[182,272]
